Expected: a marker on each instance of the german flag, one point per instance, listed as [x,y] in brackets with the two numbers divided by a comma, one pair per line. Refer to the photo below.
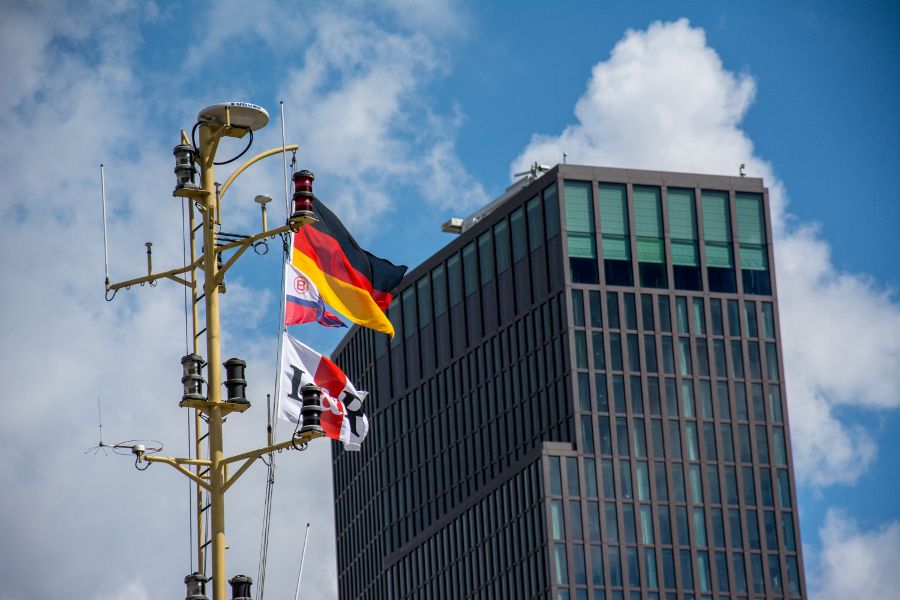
[351,280]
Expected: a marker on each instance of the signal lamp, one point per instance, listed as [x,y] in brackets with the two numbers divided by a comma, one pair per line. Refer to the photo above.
[185,171]
[240,587]
[192,379]
[196,587]
[312,409]
[303,194]
[235,384]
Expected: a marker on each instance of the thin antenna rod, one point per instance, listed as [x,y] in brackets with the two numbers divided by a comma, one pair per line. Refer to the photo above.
[302,556]
[103,205]
[100,420]
[287,202]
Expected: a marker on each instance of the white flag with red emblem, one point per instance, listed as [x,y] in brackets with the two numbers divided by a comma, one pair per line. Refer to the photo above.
[302,301]
[342,415]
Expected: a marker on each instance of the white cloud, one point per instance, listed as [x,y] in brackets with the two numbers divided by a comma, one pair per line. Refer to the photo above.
[663,100]
[851,563]
[365,123]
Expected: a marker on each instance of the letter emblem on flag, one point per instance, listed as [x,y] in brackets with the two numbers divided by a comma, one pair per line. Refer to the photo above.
[302,301]
[342,417]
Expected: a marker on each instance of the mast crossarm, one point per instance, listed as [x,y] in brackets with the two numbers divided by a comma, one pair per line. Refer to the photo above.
[177,463]
[256,158]
[251,456]
[164,275]
[245,243]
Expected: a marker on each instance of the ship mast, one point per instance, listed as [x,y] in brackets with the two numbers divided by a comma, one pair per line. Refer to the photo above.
[210,472]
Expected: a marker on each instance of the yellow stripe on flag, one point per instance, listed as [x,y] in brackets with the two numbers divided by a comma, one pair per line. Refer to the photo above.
[354,303]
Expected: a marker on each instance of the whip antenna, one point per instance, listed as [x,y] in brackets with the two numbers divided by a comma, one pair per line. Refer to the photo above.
[287,201]
[302,555]
[103,209]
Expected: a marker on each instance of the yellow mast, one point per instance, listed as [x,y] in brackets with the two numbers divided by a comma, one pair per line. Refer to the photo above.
[211,474]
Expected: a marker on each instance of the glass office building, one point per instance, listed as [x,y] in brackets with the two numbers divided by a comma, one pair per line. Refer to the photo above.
[584,400]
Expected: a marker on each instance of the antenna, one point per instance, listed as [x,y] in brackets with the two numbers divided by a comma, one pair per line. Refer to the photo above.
[741,170]
[103,208]
[287,201]
[534,171]
[302,556]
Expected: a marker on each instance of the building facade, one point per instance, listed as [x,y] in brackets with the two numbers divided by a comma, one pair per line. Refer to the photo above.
[584,400]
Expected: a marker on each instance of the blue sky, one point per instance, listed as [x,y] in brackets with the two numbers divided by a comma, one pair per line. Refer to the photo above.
[411,112]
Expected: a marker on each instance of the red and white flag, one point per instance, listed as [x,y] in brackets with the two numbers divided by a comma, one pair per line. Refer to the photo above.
[342,415]
[302,301]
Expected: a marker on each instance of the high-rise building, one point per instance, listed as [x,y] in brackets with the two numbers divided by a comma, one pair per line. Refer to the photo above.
[584,400]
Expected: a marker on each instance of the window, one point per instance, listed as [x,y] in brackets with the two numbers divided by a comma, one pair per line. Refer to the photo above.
[557,527]
[409,311]
[715,310]
[551,211]
[614,230]
[562,571]
[423,289]
[717,238]
[752,237]
[439,285]
[683,233]
[555,477]
[454,276]
[580,229]
[576,528]
[486,257]
[517,227]
[768,321]
[535,223]
[596,317]
[470,269]
[649,231]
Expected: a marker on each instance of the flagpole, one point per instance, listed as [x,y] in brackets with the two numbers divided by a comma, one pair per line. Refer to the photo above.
[273,416]
[302,556]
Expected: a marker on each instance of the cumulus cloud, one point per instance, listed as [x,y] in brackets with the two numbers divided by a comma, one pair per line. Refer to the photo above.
[365,120]
[853,563]
[663,100]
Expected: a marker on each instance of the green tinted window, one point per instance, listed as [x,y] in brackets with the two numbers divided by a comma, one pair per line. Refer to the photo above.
[580,220]
[613,210]
[753,258]
[579,216]
[718,255]
[716,222]
[648,224]
[683,227]
[750,219]
[751,231]
[582,246]
[614,222]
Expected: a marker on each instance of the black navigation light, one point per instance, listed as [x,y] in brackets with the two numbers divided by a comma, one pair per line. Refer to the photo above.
[192,378]
[196,587]
[235,384]
[185,171]
[240,587]
[311,412]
